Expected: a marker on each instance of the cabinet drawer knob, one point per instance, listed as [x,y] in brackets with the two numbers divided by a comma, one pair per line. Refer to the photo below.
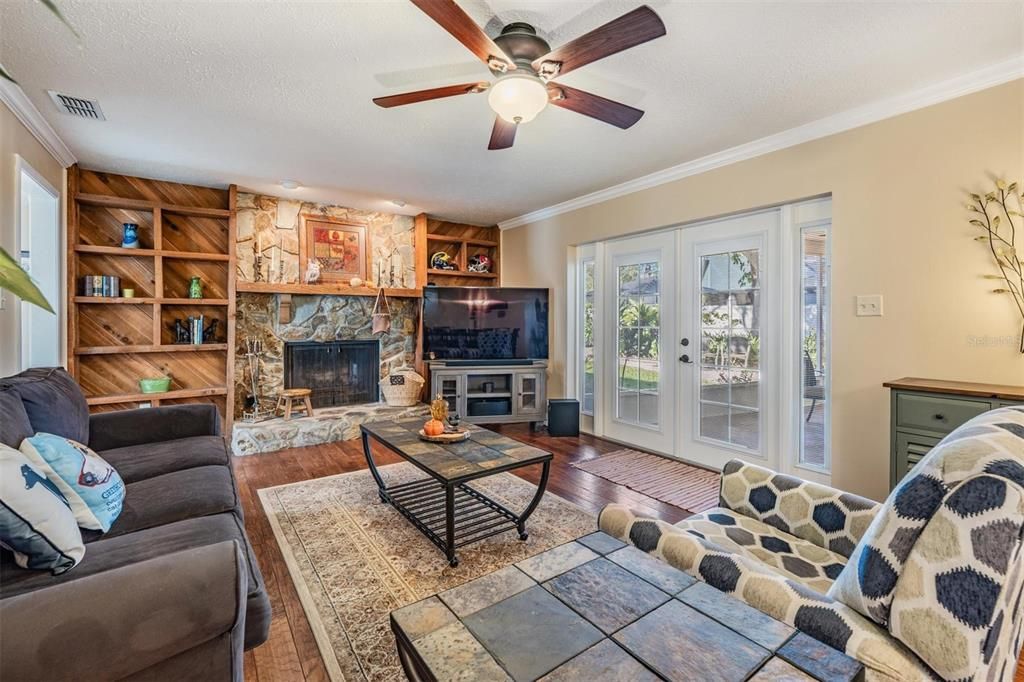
[939,416]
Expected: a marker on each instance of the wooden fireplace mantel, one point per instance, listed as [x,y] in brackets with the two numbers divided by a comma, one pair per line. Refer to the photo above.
[339,289]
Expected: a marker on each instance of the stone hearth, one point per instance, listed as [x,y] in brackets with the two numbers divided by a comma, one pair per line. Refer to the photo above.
[327,425]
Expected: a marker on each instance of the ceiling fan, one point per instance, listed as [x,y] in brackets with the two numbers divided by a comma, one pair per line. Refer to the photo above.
[526,66]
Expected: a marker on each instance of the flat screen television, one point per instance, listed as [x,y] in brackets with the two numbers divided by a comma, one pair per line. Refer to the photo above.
[485,323]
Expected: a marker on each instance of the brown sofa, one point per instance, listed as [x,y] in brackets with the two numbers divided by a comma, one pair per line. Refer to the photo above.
[173,590]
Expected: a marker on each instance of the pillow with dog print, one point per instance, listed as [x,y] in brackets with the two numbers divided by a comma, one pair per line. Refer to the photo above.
[36,522]
[93,487]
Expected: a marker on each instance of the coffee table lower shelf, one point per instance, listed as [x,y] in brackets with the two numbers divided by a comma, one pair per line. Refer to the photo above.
[475,516]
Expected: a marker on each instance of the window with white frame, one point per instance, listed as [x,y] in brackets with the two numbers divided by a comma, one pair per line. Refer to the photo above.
[814,340]
[586,327]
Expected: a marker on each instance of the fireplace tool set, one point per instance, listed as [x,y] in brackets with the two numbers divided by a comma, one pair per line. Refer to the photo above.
[254,411]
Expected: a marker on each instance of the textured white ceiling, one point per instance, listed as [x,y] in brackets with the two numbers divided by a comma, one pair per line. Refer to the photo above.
[252,93]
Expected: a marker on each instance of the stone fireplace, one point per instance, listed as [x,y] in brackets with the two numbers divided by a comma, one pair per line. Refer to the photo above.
[337,372]
[319,319]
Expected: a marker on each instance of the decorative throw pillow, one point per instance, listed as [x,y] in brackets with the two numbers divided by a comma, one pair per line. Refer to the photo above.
[36,522]
[93,487]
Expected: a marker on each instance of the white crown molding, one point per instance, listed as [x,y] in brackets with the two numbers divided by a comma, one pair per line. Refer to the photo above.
[988,77]
[21,106]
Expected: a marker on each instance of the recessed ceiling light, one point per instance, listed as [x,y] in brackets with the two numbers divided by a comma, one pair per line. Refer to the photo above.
[290,184]
[398,202]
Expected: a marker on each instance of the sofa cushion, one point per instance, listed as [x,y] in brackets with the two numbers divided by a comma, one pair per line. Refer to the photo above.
[90,484]
[814,512]
[14,424]
[991,443]
[792,557]
[53,402]
[36,522]
[139,462]
[114,552]
[179,495]
[954,598]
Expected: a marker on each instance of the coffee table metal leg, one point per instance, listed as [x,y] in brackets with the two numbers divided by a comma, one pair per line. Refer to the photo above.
[381,488]
[541,487]
[449,524]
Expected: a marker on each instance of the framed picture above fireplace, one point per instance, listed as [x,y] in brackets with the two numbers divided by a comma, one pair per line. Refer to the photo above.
[340,247]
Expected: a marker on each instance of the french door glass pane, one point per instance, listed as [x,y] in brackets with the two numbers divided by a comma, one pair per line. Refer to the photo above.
[814,359]
[588,338]
[638,343]
[730,345]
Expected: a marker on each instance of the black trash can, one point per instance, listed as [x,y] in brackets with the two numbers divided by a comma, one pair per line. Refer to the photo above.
[563,417]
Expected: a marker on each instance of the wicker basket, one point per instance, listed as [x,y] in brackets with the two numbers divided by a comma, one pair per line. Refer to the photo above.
[402,388]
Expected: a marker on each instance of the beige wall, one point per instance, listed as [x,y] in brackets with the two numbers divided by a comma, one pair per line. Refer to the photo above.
[16,139]
[899,229]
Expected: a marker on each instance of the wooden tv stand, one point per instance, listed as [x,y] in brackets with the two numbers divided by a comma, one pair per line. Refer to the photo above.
[492,393]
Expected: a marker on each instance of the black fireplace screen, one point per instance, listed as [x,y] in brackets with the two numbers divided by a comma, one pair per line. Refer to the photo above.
[337,372]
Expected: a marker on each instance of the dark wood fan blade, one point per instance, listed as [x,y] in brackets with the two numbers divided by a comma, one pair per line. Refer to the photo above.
[594,106]
[503,134]
[452,19]
[433,93]
[629,30]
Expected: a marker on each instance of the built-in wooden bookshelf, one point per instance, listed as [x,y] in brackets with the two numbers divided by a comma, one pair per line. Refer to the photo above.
[184,231]
[461,242]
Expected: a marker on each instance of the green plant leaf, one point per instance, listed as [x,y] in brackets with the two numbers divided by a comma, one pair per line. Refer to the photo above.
[52,6]
[7,76]
[17,281]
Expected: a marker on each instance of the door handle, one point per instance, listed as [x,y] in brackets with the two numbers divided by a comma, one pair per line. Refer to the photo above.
[685,358]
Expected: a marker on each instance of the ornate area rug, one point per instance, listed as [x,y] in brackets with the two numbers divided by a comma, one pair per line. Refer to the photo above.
[676,483]
[354,559]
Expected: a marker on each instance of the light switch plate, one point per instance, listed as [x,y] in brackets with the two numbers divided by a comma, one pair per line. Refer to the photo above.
[869,306]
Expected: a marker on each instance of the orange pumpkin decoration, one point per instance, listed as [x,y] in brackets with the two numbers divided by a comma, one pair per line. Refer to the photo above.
[433,428]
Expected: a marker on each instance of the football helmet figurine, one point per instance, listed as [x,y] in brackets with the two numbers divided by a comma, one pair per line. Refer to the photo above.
[479,263]
[442,261]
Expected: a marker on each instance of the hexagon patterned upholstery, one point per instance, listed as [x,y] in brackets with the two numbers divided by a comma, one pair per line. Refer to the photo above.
[935,578]
[790,556]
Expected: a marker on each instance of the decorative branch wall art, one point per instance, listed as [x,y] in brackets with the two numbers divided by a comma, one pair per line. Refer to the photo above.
[999,214]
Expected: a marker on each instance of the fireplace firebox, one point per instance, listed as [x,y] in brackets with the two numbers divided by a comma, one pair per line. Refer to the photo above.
[337,372]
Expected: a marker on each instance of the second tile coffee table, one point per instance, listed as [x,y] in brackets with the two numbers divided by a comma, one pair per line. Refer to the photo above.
[596,609]
[443,506]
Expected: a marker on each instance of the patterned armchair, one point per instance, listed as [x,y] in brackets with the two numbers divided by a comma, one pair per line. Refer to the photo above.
[926,584]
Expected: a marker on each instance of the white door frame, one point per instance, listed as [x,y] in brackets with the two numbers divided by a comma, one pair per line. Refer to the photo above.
[23,166]
[760,230]
[783,445]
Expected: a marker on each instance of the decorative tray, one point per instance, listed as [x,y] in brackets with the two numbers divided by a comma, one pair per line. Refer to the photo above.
[448,437]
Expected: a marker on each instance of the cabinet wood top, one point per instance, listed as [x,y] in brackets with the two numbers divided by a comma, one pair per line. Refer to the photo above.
[970,388]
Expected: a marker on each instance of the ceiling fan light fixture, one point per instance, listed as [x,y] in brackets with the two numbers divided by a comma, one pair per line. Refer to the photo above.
[518,97]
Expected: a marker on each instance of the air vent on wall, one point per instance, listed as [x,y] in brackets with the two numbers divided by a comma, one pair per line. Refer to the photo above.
[76,106]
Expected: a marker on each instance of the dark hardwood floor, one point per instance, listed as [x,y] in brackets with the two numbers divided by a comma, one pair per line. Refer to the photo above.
[291,652]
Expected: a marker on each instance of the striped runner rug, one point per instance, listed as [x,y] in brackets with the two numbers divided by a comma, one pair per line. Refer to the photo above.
[667,480]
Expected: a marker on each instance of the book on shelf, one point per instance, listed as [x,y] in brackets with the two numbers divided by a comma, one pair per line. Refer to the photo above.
[101,286]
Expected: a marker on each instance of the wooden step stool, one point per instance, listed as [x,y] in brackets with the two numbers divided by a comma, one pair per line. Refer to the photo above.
[288,399]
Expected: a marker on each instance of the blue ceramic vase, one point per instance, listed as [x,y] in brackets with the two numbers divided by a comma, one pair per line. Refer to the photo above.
[130,236]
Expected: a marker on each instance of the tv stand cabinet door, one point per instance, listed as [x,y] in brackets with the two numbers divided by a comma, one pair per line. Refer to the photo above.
[529,394]
[452,387]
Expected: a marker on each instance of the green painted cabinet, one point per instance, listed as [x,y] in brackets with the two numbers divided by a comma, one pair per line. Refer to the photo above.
[923,411]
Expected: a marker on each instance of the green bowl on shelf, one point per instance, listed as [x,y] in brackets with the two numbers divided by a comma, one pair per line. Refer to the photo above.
[155,385]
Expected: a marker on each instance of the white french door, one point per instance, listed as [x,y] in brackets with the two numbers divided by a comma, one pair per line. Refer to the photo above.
[728,396]
[637,336]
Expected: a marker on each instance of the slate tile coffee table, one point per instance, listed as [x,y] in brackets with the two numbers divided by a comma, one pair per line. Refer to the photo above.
[596,609]
[442,506]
